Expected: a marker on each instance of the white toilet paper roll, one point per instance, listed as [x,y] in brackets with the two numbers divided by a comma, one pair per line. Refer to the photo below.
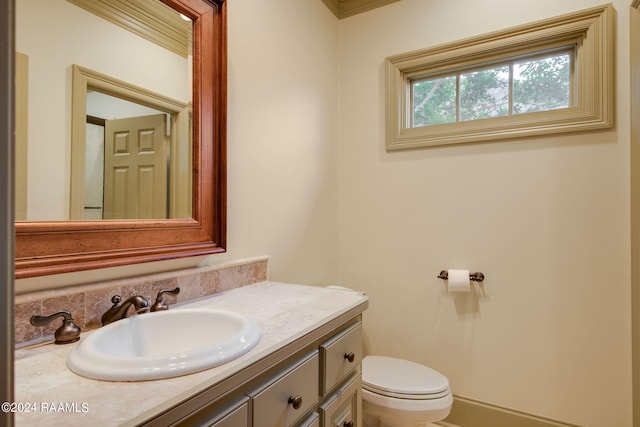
[458,281]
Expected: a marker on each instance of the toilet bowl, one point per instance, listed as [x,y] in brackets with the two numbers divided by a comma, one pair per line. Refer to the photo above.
[400,393]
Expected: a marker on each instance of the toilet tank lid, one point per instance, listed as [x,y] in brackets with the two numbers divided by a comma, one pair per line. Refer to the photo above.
[400,376]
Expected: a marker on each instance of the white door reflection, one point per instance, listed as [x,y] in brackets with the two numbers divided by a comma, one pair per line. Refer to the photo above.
[125,190]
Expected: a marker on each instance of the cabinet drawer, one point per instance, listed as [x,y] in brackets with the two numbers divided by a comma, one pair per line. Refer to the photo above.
[236,418]
[340,356]
[312,421]
[234,414]
[344,407]
[289,396]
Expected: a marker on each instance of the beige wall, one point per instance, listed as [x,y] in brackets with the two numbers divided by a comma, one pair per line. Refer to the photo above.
[546,219]
[283,153]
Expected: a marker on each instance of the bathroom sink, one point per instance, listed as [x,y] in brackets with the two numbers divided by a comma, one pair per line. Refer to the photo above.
[163,344]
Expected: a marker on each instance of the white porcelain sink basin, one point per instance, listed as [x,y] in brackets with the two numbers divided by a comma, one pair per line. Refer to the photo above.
[163,344]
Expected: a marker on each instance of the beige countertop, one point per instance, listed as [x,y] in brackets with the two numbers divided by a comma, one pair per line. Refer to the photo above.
[49,394]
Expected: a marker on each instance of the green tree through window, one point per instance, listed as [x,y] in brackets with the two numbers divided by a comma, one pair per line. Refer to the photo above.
[542,84]
[519,86]
[434,101]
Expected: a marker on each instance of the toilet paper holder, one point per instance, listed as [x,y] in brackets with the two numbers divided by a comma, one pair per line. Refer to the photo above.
[474,277]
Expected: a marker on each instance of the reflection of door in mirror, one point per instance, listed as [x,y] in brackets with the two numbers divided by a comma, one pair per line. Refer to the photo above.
[130,181]
[135,168]
[128,162]
[154,70]
[131,152]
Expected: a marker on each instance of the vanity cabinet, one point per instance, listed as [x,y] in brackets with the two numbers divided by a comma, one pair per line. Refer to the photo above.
[309,356]
[313,382]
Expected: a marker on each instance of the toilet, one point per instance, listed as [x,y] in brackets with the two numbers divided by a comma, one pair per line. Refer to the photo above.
[400,393]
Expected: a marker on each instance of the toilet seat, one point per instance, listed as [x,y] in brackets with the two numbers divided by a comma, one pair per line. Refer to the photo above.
[402,379]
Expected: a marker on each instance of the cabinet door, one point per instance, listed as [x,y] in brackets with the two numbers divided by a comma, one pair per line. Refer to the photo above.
[344,407]
[290,395]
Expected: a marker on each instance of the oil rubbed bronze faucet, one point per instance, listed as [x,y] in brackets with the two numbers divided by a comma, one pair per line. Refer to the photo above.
[67,333]
[160,303]
[117,312]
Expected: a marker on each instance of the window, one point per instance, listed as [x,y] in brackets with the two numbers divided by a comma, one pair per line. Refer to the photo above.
[547,77]
[518,86]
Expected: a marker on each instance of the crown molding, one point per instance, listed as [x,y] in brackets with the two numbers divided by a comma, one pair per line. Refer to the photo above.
[149,19]
[345,8]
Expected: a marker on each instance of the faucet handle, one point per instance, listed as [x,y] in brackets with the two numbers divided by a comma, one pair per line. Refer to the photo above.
[67,333]
[160,305]
[115,300]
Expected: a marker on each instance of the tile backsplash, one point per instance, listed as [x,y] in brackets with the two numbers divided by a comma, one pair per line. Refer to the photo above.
[87,303]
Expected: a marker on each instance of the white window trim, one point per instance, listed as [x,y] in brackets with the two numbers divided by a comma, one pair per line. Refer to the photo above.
[591,30]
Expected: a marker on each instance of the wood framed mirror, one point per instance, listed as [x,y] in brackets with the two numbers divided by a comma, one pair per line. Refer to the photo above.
[62,246]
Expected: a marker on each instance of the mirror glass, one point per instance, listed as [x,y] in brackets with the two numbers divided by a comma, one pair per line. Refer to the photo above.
[103,106]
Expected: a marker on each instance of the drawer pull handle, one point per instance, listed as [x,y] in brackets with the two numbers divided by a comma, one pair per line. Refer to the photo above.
[348,424]
[295,401]
[350,356]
